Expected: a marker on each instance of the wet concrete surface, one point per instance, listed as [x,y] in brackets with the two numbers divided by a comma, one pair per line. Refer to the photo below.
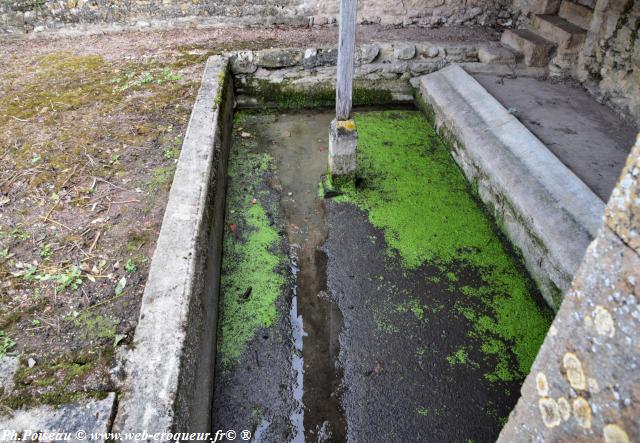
[293,392]
[399,384]
[257,393]
[298,143]
[585,135]
[349,358]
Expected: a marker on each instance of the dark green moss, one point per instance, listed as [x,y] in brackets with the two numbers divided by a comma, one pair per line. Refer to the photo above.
[58,381]
[55,398]
[286,96]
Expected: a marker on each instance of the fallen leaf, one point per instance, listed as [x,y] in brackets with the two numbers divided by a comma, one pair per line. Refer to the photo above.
[234,230]
[121,285]
[117,339]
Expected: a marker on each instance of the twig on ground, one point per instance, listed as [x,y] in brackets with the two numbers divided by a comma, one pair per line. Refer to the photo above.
[75,168]
[57,223]
[124,201]
[109,183]
[46,217]
[95,241]
[20,119]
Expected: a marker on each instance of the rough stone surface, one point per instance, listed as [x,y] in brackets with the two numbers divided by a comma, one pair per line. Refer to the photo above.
[343,140]
[366,53]
[536,50]
[610,60]
[89,416]
[576,13]
[278,58]
[496,54]
[404,51]
[169,370]
[380,78]
[623,212]
[585,381]
[243,63]
[23,15]
[8,368]
[546,211]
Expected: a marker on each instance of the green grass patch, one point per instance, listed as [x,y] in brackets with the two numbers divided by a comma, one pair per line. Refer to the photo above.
[5,344]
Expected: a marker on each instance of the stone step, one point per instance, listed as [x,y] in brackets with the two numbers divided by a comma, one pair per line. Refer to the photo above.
[497,55]
[588,3]
[536,50]
[575,13]
[556,29]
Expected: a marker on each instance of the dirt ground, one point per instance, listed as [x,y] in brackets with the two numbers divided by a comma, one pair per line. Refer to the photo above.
[90,132]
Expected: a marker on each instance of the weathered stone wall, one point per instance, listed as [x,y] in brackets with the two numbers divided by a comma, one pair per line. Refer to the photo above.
[585,382]
[610,61]
[40,15]
[305,77]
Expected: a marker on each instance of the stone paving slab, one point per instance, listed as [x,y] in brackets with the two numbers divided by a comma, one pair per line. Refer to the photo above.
[587,136]
[78,419]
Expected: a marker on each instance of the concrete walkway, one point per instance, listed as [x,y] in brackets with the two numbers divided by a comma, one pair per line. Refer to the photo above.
[585,135]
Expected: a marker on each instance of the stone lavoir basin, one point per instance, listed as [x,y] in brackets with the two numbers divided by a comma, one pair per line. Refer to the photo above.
[392,309]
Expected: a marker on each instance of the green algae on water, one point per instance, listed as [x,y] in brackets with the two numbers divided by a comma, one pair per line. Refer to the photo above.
[412,190]
[250,283]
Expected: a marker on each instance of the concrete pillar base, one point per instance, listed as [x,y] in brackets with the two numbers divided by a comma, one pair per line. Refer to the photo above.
[343,139]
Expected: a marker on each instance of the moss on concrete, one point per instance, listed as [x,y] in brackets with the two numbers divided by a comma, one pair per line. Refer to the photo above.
[250,282]
[413,190]
[322,95]
[57,381]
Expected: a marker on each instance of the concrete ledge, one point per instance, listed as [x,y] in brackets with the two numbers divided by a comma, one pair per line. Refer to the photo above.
[90,416]
[506,70]
[545,210]
[169,372]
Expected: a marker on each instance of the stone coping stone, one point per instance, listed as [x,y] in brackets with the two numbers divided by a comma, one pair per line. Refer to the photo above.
[92,416]
[548,213]
[168,381]
[247,62]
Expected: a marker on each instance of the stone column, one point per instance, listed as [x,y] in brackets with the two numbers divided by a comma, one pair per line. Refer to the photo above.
[343,136]
[585,382]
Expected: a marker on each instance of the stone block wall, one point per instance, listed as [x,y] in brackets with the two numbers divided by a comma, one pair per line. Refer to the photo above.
[41,15]
[585,384]
[610,62]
